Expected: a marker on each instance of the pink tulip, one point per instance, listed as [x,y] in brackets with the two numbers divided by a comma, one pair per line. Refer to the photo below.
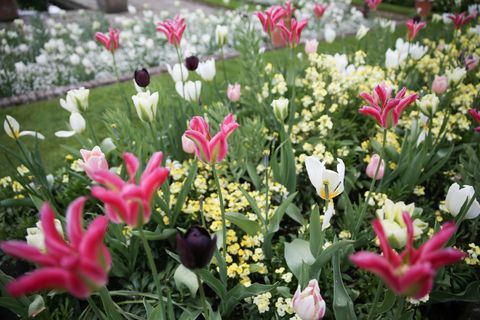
[79,265]
[414,27]
[410,273]
[271,17]
[439,84]
[92,161]
[319,10]
[311,46]
[233,92]
[471,62]
[173,29]
[372,168]
[373,4]
[461,19]
[207,149]
[111,40]
[476,116]
[291,34]
[126,201]
[383,108]
[289,9]
[309,304]
[187,145]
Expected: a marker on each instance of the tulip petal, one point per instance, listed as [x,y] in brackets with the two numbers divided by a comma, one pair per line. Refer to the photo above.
[22,250]
[54,242]
[74,221]
[132,164]
[41,279]
[378,265]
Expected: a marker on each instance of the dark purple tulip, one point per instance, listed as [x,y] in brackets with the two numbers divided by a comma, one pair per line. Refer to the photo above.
[142,77]
[192,63]
[196,247]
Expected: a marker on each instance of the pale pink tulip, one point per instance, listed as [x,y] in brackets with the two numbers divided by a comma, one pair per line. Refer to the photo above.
[311,46]
[187,145]
[92,161]
[372,168]
[79,265]
[309,304]
[440,84]
[233,92]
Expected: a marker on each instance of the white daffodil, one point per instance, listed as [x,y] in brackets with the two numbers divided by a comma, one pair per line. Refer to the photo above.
[189,90]
[146,105]
[76,100]
[206,70]
[221,33]
[77,125]
[178,73]
[328,183]
[12,129]
[362,32]
[457,197]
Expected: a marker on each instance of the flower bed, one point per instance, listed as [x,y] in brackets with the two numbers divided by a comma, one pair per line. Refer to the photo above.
[305,186]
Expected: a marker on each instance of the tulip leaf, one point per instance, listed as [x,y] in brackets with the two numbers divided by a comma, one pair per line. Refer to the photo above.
[253,204]
[182,195]
[387,304]
[342,303]
[157,235]
[187,278]
[294,212]
[316,233]
[157,313]
[470,294]
[297,253]
[240,292]
[249,226]
[190,314]
[215,284]
[252,172]
[274,223]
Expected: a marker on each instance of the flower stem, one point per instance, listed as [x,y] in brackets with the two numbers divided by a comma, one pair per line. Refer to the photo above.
[375,300]
[372,184]
[153,268]
[222,210]
[224,66]
[119,86]
[398,312]
[202,295]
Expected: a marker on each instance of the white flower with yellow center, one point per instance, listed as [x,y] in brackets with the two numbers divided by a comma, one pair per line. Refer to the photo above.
[12,129]
[328,183]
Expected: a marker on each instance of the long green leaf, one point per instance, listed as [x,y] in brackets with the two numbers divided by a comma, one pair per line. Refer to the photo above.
[342,303]
[182,195]
[249,226]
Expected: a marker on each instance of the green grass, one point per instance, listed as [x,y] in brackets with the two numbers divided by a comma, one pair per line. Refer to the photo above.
[48,117]
[388,7]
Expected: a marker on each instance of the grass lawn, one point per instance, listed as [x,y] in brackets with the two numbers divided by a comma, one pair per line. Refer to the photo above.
[48,117]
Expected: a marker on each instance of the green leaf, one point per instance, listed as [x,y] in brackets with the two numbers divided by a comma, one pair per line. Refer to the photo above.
[249,226]
[294,212]
[240,292]
[253,204]
[327,254]
[157,235]
[37,306]
[470,294]
[388,303]
[190,314]
[274,223]
[252,172]
[182,195]
[316,233]
[297,253]
[342,303]
[185,277]
[215,284]
[157,313]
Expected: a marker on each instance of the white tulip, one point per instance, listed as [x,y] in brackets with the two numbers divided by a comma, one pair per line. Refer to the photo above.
[36,238]
[429,104]
[76,100]
[280,108]
[329,34]
[189,90]
[206,70]
[77,126]
[362,32]
[178,73]
[417,51]
[457,197]
[12,129]
[107,145]
[221,34]
[146,105]
[328,183]
[455,75]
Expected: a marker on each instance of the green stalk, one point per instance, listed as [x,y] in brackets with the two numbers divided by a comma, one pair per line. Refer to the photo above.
[120,88]
[398,312]
[375,300]
[372,184]
[222,210]
[224,66]
[153,268]
[202,295]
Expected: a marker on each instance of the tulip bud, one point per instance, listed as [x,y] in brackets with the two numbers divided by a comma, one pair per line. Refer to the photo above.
[92,161]
[188,145]
[206,70]
[309,304]
[233,92]
[189,90]
[196,247]
[440,84]
[372,168]
[142,77]
[457,197]
[178,72]
[428,105]
[311,46]
[221,34]
[146,105]
[280,108]
[192,63]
